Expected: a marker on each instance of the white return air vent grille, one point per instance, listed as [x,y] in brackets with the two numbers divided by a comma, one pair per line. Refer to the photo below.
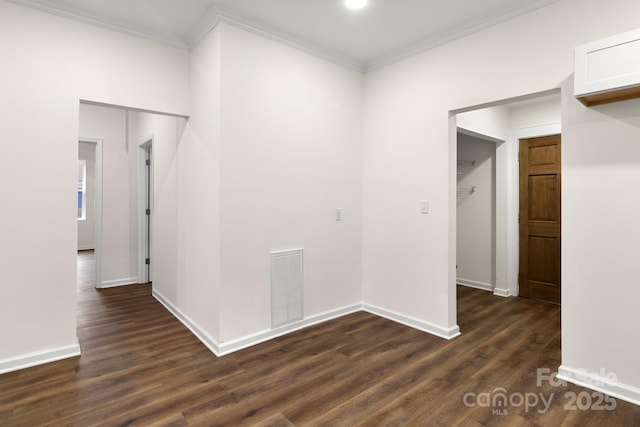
[286,287]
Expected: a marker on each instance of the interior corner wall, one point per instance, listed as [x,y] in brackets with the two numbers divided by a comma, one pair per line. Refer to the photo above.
[50,64]
[197,160]
[408,264]
[291,155]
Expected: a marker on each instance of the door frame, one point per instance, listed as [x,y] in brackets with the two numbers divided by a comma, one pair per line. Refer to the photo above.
[97,205]
[144,273]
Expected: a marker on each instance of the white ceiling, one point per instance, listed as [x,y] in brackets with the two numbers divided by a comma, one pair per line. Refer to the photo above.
[383,32]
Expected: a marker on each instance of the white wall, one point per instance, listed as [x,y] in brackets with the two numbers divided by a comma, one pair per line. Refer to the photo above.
[538,113]
[410,155]
[292,154]
[86,230]
[600,235]
[50,64]
[476,213]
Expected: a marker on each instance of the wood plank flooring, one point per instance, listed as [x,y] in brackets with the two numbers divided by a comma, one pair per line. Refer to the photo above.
[140,366]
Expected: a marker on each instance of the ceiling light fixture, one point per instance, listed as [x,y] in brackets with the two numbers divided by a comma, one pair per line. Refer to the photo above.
[355,4]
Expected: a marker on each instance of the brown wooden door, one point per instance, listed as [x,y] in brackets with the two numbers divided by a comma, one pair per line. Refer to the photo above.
[540,218]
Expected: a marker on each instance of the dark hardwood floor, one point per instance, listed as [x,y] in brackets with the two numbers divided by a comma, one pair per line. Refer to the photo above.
[140,366]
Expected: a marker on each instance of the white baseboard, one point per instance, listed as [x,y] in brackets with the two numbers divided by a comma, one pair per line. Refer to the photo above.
[248,341]
[119,282]
[598,382]
[439,331]
[505,293]
[473,284]
[223,348]
[200,333]
[86,247]
[38,358]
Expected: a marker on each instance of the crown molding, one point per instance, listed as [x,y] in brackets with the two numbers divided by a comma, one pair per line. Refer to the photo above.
[173,42]
[424,45]
[208,22]
[218,14]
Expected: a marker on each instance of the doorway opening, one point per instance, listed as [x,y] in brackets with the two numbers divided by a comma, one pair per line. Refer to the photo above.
[124,140]
[476,210]
[145,209]
[505,123]
[90,153]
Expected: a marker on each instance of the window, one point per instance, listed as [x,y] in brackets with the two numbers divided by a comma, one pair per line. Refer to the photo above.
[82,187]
